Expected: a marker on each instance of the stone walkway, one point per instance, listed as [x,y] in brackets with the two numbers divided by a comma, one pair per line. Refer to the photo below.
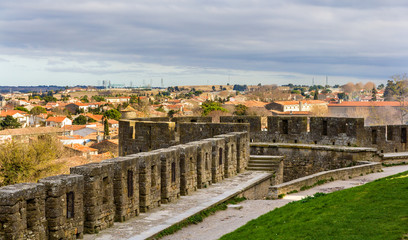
[229,220]
[158,219]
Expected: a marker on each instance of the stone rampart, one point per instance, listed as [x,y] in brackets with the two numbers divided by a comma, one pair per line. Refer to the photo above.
[22,211]
[306,159]
[64,207]
[363,168]
[99,207]
[125,186]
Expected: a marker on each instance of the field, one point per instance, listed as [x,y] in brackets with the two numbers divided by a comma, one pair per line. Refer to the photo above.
[377,210]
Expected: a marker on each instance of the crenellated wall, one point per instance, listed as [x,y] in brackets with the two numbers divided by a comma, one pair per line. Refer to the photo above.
[95,195]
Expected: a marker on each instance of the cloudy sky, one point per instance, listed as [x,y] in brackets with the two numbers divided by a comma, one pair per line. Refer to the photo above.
[63,42]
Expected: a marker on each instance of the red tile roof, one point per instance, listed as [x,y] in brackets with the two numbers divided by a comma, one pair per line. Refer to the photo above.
[81,148]
[11,113]
[56,119]
[368,104]
[297,102]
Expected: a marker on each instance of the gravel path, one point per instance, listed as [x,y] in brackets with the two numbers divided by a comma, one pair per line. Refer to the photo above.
[227,221]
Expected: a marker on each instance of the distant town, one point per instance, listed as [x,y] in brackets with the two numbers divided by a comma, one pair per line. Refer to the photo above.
[85,118]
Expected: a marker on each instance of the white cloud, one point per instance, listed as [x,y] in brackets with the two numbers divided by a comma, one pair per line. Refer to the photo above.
[351,39]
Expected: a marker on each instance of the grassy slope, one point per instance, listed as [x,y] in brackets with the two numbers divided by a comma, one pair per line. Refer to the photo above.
[377,210]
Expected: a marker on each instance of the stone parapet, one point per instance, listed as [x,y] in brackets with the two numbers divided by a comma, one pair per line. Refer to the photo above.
[149,180]
[64,208]
[126,186]
[22,211]
[99,201]
[204,163]
[170,174]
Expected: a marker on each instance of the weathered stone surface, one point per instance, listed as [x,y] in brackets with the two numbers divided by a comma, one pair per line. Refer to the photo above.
[230,154]
[188,168]
[170,174]
[24,214]
[64,207]
[204,163]
[126,186]
[149,180]
[303,159]
[99,207]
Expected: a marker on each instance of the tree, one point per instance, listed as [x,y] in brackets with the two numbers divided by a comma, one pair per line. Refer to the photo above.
[112,114]
[209,106]
[37,110]
[9,122]
[213,88]
[240,110]
[80,120]
[374,96]
[106,128]
[85,99]
[316,95]
[171,113]
[397,90]
[21,162]
[20,108]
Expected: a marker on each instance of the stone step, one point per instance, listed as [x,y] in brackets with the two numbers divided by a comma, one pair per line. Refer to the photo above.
[260,169]
[264,157]
[269,165]
[264,161]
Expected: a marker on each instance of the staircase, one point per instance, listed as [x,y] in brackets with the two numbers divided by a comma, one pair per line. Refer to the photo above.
[264,163]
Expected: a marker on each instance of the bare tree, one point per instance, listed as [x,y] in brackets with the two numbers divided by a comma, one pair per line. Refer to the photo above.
[397,89]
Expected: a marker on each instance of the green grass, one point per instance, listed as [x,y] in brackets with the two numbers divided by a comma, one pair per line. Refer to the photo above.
[199,217]
[376,210]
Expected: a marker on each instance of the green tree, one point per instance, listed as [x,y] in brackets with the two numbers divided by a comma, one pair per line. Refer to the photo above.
[20,108]
[171,113]
[98,98]
[374,95]
[240,110]
[85,99]
[106,127]
[112,114]
[209,106]
[213,88]
[49,99]
[9,122]
[38,110]
[316,95]
[21,162]
[80,120]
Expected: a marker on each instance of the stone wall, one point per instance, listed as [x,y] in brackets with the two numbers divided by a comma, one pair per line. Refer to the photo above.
[126,186]
[230,154]
[170,174]
[218,159]
[137,136]
[99,205]
[64,207]
[149,180]
[188,168]
[305,159]
[190,132]
[22,211]
[254,121]
[344,173]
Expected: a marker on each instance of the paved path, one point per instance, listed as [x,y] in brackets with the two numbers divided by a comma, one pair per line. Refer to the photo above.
[227,221]
[158,219]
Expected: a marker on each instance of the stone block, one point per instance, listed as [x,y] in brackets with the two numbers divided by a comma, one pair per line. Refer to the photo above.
[188,168]
[170,174]
[149,180]
[24,214]
[99,201]
[126,186]
[204,165]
